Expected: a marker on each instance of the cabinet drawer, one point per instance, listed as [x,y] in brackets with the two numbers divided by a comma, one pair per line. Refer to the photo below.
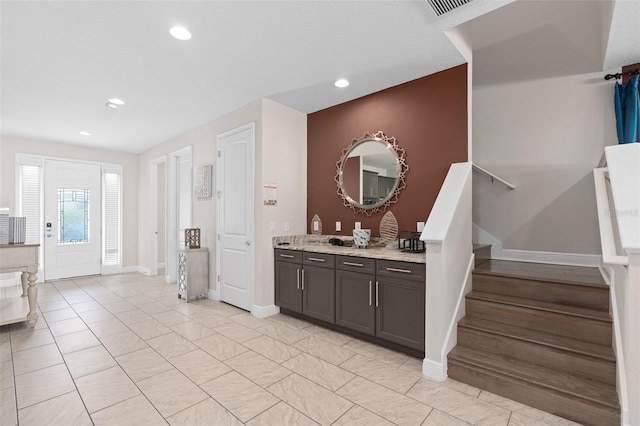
[319,259]
[405,270]
[283,255]
[355,264]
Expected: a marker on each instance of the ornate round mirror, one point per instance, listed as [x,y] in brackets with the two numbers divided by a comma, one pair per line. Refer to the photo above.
[370,173]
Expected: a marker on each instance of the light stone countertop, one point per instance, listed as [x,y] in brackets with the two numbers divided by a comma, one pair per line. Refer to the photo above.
[320,244]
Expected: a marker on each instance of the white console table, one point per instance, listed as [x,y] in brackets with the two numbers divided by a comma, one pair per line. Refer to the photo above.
[20,258]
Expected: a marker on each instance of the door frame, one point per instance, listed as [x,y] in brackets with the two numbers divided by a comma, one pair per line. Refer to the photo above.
[217,294]
[171,262]
[153,213]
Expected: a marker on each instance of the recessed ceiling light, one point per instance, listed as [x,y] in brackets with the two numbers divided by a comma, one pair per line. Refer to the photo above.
[181,33]
[116,101]
[341,83]
[85,133]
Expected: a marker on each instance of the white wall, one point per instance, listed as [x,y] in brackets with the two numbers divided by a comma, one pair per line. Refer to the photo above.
[10,146]
[280,157]
[203,144]
[545,136]
[284,162]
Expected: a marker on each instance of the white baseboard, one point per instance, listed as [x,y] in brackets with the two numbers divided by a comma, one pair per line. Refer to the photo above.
[10,279]
[135,268]
[574,259]
[264,311]
[436,371]
[618,348]
[213,295]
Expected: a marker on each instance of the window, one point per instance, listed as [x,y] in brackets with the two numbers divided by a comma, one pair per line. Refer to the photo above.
[29,202]
[112,219]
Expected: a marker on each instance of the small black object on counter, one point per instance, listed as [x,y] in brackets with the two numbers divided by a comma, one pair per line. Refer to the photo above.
[409,241]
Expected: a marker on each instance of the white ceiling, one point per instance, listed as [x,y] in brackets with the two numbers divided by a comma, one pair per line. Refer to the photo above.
[61,60]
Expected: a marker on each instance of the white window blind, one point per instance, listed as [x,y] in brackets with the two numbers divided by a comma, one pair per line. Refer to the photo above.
[29,200]
[112,218]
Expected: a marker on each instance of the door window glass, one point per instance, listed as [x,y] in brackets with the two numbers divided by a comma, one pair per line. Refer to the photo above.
[73,216]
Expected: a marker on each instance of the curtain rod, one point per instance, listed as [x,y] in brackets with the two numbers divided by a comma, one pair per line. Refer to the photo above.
[621,74]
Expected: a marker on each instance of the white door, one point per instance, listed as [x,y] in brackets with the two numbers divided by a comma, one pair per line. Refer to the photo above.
[72,240]
[235,216]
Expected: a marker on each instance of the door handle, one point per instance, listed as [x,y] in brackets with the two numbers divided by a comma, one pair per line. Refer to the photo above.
[303,280]
[298,279]
[248,243]
[370,303]
[377,298]
[50,235]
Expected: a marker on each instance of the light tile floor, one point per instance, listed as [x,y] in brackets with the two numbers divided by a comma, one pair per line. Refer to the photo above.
[123,350]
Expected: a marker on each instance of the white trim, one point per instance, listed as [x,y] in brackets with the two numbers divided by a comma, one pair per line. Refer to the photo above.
[264,311]
[213,294]
[434,370]
[135,268]
[554,258]
[621,371]
[9,282]
[451,339]
[153,213]
[172,218]
[111,270]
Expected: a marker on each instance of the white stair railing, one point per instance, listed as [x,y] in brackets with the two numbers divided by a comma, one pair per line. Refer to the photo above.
[493,176]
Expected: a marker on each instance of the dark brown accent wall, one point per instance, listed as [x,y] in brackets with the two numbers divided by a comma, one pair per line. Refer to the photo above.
[428,117]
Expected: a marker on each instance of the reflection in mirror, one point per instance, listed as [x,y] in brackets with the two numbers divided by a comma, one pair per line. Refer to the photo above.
[370,173]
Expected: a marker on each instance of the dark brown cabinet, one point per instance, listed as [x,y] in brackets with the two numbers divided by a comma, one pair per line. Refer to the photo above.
[354,301]
[287,274]
[380,298]
[306,283]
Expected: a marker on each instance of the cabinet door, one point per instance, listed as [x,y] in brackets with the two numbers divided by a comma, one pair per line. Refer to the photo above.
[318,293]
[355,301]
[400,311]
[288,291]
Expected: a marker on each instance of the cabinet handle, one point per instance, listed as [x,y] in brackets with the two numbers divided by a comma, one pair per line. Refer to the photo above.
[303,280]
[289,256]
[316,259]
[370,302]
[298,279]
[404,271]
[353,264]
[376,294]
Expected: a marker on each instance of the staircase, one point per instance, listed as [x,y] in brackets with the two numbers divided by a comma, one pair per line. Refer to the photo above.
[541,335]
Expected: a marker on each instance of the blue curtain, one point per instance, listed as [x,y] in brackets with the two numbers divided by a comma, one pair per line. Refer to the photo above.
[627,103]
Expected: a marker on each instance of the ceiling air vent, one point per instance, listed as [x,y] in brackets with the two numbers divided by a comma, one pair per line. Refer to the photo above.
[440,7]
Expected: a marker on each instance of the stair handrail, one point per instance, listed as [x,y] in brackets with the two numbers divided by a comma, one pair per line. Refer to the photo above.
[605,220]
[493,176]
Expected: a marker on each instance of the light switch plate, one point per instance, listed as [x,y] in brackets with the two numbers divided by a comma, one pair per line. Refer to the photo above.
[272,226]
[420,226]
[338,226]
[358,225]
[287,227]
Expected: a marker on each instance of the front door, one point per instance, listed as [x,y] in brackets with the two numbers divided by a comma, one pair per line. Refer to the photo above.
[72,200]
[235,216]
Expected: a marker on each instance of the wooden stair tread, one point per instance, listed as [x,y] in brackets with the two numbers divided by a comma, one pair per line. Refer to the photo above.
[564,343]
[576,275]
[597,393]
[541,305]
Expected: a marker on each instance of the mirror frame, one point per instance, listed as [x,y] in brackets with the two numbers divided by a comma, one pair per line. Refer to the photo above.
[399,154]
